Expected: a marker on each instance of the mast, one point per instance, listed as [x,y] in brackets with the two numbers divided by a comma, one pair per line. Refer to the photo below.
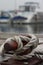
[15,6]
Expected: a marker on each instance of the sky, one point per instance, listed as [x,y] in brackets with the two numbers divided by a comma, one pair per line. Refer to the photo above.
[13,4]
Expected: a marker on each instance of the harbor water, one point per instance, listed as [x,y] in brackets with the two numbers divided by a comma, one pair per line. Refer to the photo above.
[22,28]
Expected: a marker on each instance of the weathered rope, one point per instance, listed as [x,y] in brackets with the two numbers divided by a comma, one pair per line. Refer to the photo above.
[33,41]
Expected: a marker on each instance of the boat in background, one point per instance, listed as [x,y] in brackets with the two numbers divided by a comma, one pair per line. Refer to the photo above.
[28,10]
[4,17]
[27,13]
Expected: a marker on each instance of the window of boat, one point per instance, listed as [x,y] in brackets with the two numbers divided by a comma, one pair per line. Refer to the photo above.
[32,8]
[4,14]
[27,8]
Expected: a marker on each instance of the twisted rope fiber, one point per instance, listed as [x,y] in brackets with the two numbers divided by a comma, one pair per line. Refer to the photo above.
[31,42]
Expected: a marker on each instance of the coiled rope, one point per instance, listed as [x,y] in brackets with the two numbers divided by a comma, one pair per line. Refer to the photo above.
[19,53]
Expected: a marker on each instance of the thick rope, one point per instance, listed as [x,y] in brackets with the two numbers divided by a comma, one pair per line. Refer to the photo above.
[33,41]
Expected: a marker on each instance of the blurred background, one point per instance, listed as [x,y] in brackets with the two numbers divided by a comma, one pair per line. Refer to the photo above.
[21,16]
